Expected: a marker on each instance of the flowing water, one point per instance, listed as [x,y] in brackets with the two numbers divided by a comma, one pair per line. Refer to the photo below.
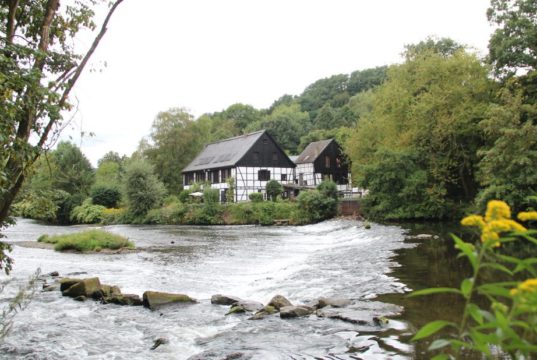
[337,258]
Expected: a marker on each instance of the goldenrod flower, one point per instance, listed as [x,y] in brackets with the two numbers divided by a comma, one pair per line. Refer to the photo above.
[473,220]
[528,286]
[497,210]
[527,216]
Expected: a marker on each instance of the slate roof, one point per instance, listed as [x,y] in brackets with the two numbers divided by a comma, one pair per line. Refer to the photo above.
[312,151]
[224,153]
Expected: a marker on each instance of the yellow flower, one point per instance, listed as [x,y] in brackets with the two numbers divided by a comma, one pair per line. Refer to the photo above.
[497,210]
[527,216]
[473,220]
[527,287]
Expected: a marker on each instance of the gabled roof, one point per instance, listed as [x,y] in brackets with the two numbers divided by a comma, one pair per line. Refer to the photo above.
[312,151]
[224,153]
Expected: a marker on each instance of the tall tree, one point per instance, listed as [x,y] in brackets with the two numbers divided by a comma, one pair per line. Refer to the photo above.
[174,142]
[513,45]
[426,115]
[38,70]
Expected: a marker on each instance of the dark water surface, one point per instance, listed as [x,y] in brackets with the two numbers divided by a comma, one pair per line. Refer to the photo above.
[374,268]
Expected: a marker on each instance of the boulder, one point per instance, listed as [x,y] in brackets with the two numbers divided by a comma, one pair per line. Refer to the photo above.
[154,299]
[53,274]
[267,310]
[90,287]
[51,287]
[66,283]
[279,301]
[245,306]
[123,299]
[333,302]
[110,290]
[224,299]
[347,315]
[288,312]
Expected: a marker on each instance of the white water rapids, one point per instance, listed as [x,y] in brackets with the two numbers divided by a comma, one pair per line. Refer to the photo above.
[336,258]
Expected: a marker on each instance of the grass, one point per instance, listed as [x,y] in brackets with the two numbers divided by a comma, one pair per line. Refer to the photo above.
[90,240]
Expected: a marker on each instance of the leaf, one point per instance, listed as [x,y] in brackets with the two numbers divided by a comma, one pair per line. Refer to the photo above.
[467,249]
[466,287]
[438,344]
[496,289]
[498,267]
[431,328]
[475,313]
[429,291]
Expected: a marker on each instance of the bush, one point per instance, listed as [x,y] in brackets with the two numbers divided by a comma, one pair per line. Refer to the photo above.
[274,189]
[142,188]
[315,207]
[184,196]
[89,240]
[107,196]
[256,197]
[172,213]
[328,189]
[113,216]
[87,213]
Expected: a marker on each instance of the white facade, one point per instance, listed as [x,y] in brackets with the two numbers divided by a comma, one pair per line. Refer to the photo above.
[247,180]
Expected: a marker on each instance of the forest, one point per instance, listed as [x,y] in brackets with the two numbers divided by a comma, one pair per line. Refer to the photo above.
[434,137]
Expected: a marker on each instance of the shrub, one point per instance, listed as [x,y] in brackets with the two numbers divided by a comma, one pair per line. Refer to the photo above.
[315,207]
[107,196]
[172,213]
[256,197]
[328,189]
[87,213]
[89,241]
[142,188]
[274,189]
[184,196]
[113,216]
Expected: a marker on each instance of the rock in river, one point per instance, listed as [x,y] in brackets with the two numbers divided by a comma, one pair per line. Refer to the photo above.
[90,287]
[224,299]
[154,299]
[333,302]
[288,312]
[279,301]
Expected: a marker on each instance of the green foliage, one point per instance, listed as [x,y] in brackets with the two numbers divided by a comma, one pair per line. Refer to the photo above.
[256,197]
[114,216]
[87,213]
[230,189]
[109,173]
[89,240]
[507,167]
[107,196]
[142,188]
[328,189]
[315,207]
[172,213]
[507,321]
[184,196]
[365,80]
[274,189]
[426,117]
[73,172]
[513,45]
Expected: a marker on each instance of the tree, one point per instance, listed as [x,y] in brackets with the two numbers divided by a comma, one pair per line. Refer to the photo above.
[241,115]
[321,92]
[428,113]
[174,142]
[274,189]
[513,45]
[364,80]
[142,188]
[507,162]
[74,173]
[38,70]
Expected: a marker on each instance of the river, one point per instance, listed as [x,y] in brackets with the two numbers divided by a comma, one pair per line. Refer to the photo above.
[338,258]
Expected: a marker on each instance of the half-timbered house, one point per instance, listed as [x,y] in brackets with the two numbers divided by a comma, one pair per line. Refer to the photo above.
[323,160]
[251,160]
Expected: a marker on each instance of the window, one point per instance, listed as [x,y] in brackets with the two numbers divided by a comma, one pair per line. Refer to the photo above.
[338,162]
[265,141]
[189,179]
[327,161]
[284,177]
[263,175]
[226,174]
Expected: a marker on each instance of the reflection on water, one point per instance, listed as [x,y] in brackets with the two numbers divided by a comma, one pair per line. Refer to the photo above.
[374,268]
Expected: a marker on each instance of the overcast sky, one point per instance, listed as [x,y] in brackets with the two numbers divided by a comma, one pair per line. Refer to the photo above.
[205,55]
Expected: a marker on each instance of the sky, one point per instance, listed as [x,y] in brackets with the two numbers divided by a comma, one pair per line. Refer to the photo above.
[206,55]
